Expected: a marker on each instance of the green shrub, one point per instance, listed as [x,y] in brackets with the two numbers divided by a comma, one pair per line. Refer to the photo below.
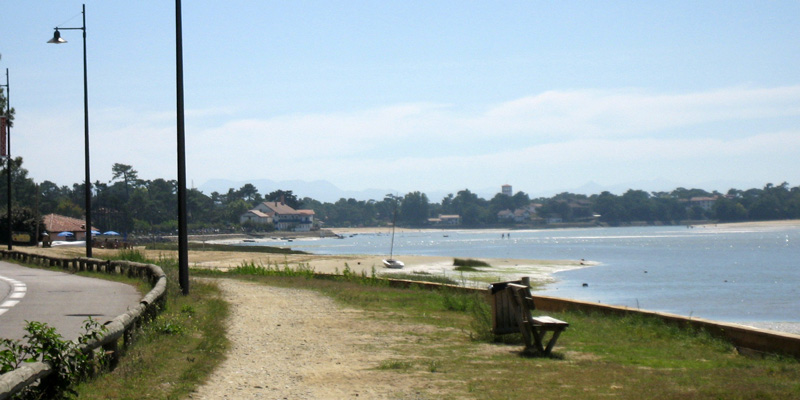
[43,343]
[468,264]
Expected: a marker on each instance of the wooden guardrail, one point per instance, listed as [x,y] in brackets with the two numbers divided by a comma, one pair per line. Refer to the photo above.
[122,327]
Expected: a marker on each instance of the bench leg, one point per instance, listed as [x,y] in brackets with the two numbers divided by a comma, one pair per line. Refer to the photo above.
[552,341]
[539,337]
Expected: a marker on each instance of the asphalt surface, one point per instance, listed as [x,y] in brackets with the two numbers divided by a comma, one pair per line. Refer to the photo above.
[61,300]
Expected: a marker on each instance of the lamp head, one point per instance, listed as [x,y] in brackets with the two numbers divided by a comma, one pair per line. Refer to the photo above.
[57,38]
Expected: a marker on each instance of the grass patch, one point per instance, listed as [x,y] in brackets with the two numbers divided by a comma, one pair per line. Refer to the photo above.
[631,357]
[423,277]
[172,354]
[395,364]
[469,264]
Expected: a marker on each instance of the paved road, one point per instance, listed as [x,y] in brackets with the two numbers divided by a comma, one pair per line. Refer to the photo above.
[62,300]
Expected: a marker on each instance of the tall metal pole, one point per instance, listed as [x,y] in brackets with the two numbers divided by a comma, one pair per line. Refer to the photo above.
[183,238]
[88,183]
[88,186]
[8,153]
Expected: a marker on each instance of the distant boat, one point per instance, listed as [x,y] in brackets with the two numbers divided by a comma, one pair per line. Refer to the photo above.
[391,262]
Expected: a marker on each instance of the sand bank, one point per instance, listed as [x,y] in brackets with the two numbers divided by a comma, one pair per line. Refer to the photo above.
[501,269]
[789,223]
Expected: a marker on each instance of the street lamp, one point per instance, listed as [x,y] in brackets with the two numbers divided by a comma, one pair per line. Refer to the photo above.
[183,234]
[8,154]
[88,185]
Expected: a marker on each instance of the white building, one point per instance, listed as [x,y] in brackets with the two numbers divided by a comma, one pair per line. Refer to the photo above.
[280,214]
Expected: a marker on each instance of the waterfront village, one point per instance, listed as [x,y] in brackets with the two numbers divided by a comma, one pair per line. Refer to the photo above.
[286,218]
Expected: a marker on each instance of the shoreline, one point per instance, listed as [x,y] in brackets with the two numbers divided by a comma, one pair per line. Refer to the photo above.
[710,224]
[374,230]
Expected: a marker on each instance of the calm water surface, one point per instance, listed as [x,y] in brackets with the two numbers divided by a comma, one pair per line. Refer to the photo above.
[729,274]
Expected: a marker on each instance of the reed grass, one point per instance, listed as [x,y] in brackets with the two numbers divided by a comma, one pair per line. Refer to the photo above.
[469,264]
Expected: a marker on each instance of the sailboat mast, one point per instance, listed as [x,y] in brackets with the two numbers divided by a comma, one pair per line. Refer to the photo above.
[394,222]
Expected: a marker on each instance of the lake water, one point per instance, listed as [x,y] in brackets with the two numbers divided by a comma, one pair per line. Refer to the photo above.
[729,274]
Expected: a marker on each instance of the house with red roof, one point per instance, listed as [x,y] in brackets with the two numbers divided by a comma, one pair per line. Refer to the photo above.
[284,217]
[56,224]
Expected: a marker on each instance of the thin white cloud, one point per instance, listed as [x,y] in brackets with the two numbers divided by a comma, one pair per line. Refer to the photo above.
[557,136]
[595,113]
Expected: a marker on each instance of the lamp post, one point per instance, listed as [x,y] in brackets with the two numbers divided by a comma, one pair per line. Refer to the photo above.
[88,183]
[183,238]
[8,154]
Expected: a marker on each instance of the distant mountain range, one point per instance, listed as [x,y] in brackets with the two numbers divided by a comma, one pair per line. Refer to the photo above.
[327,192]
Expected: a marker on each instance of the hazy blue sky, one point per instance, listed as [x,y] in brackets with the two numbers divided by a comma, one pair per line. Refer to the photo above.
[414,95]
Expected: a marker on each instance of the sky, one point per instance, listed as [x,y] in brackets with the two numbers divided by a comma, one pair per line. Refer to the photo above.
[430,96]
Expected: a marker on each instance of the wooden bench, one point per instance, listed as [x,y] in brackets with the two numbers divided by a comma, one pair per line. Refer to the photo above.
[512,305]
[542,325]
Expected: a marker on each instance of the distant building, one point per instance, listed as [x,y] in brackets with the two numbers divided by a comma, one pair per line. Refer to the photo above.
[520,215]
[280,214]
[506,190]
[58,224]
[445,220]
[256,217]
[703,202]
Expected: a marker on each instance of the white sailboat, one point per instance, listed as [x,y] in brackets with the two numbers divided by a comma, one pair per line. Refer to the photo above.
[391,262]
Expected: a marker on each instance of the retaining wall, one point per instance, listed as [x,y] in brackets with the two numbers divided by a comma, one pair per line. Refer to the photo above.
[747,340]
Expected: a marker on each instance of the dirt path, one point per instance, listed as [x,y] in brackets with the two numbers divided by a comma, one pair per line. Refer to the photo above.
[297,344]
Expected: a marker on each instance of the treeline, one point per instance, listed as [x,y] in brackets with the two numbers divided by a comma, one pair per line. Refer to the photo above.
[675,207]
[133,205]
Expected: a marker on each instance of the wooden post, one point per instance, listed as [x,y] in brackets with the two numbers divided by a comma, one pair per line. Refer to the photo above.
[112,349]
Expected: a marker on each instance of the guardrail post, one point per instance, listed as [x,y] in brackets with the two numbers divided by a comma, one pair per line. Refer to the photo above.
[127,337]
[111,350]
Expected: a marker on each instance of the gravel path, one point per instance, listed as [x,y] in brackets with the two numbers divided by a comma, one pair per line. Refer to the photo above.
[297,344]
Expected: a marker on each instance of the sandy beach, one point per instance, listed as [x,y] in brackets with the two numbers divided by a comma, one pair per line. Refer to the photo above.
[789,223]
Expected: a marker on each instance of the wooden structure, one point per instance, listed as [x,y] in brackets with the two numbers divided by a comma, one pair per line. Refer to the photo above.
[512,304]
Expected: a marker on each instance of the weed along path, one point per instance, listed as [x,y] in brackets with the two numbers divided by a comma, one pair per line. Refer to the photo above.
[297,344]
